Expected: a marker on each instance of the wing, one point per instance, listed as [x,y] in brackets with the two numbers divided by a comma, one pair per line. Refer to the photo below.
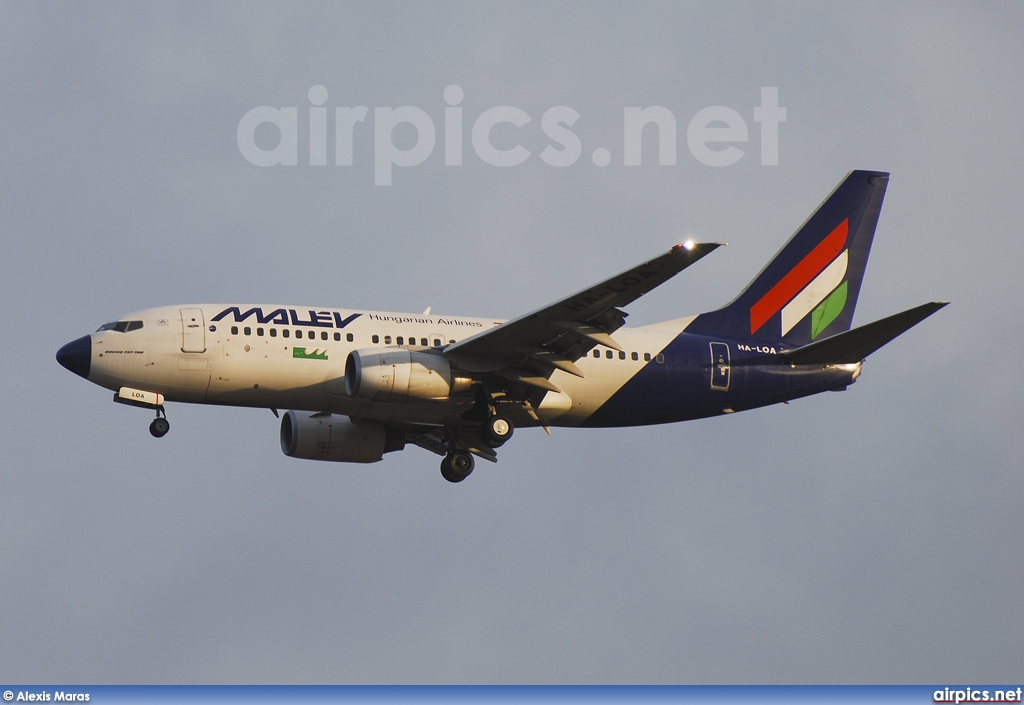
[529,348]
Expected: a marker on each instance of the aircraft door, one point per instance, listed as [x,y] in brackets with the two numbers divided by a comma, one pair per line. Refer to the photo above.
[193,330]
[720,368]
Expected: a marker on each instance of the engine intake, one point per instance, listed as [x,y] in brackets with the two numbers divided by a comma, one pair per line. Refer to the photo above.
[394,374]
[337,438]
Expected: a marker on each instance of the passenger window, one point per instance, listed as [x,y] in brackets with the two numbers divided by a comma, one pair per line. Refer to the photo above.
[286,332]
[259,332]
[349,337]
[298,334]
[635,356]
[597,353]
[437,342]
[234,330]
[273,332]
[323,335]
[660,359]
[387,340]
[247,330]
[609,354]
[647,357]
[337,337]
[400,341]
[375,339]
[622,354]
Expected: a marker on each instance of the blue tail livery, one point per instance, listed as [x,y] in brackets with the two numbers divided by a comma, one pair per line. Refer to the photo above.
[810,288]
[359,384]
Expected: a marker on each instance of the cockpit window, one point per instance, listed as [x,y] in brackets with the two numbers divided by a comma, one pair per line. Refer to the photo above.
[120,326]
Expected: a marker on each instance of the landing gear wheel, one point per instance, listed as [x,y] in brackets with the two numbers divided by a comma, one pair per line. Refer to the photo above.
[457,465]
[159,427]
[497,430]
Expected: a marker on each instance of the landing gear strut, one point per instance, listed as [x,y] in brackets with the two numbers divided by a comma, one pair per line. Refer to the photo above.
[457,465]
[160,425]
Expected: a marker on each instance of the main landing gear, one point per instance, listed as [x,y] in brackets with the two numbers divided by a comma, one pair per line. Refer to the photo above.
[496,430]
[457,465]
[160,425]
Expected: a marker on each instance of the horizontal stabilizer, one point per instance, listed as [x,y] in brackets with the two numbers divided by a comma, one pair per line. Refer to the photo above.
[856,344]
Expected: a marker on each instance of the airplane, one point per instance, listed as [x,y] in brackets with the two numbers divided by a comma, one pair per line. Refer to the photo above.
[359,384]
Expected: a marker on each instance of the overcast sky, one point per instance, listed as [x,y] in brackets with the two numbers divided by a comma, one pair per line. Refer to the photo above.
[868,536]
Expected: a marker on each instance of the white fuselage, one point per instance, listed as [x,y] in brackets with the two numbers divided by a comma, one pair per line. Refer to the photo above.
[290,357]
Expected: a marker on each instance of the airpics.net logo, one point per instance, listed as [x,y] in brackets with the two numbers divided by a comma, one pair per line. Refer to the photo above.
[712,134]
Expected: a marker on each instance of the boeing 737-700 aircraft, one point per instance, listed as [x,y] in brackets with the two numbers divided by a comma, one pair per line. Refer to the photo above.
[360,384]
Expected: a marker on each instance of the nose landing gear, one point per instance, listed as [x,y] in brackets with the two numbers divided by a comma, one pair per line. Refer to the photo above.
[146,400]
[160,425]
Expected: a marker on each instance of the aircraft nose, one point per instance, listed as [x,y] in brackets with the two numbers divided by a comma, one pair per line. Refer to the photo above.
[77,356]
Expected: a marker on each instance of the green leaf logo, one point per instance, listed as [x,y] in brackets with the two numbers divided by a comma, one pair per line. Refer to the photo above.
[310,353]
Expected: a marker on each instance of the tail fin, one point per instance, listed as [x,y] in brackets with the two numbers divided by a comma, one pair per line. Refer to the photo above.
[809,290]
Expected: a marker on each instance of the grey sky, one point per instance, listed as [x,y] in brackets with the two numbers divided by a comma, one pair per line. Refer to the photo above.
[869,536]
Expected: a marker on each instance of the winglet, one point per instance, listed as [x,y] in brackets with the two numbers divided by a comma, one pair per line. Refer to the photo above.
[856,344]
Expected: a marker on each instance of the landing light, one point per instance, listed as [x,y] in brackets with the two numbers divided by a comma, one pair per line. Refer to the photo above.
[688,245]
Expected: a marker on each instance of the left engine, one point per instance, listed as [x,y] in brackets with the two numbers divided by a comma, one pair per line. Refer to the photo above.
[337,438]
[394,374]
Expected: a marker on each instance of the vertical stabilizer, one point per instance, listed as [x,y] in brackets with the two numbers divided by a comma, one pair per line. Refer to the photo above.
[809,289]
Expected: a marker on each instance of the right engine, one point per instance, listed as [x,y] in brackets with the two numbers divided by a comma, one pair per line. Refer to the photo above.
[337,438]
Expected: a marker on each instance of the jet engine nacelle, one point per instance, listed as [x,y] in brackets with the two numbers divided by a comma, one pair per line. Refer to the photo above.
[394,374]
[337,438]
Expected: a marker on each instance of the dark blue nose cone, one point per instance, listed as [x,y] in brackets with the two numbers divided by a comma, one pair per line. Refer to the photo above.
[77,356]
